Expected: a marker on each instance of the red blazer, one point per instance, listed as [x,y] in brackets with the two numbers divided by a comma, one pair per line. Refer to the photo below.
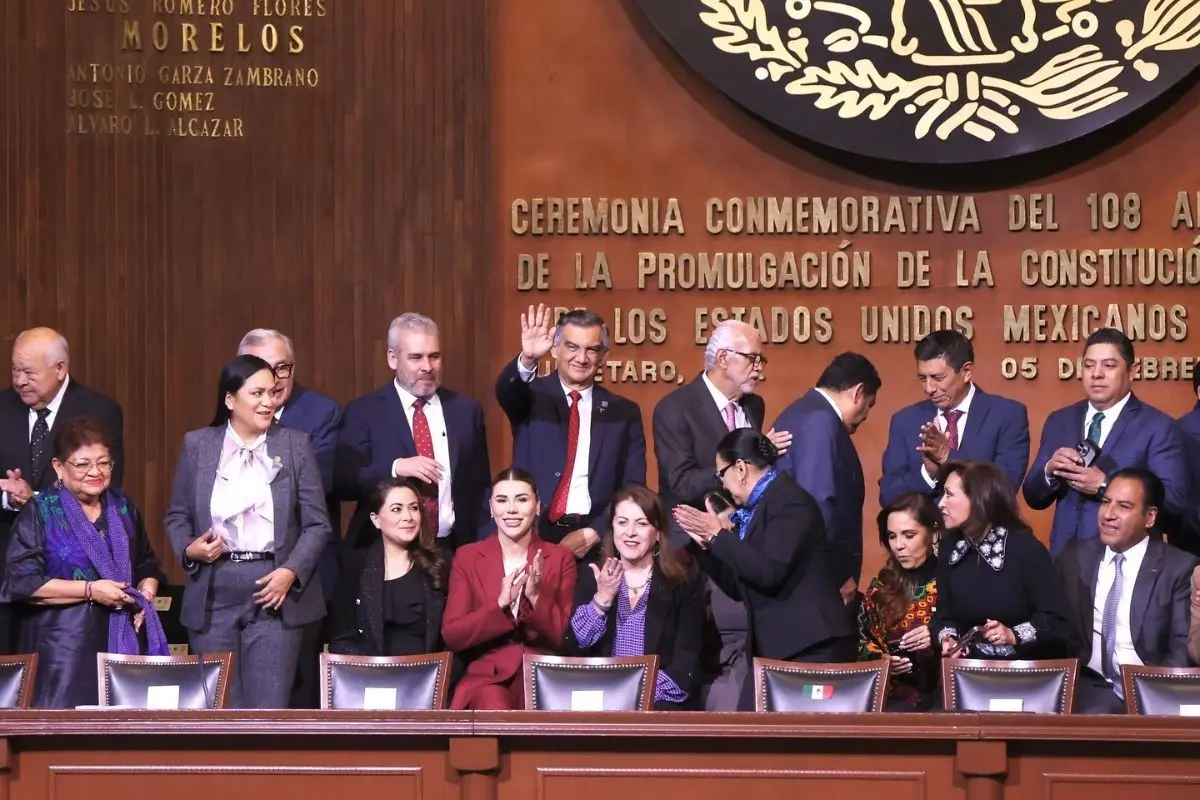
[474,626]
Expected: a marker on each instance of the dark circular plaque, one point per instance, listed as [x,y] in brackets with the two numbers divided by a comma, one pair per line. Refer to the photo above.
[936,81]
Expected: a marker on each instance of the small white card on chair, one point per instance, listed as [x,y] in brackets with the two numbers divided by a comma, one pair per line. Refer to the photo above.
[1006,704]
[587,700]
[379,698]
[1189,710]
[162,697]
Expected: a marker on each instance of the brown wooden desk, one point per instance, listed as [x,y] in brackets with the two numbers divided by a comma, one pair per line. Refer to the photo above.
[541,756]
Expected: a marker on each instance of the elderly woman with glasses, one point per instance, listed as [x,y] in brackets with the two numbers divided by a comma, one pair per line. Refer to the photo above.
[81,572]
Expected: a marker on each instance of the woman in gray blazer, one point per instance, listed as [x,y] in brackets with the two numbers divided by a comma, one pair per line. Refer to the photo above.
[248,519]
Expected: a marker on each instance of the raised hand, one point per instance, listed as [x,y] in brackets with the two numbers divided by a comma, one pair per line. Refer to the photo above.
[537,334]
[533,583]
[511,586]
[608,580]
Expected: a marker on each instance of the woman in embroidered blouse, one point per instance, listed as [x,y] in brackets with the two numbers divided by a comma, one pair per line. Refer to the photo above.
[899,603]
[509,595]
[390,594]
[641,601]
[773,555]
[248,520]
[76,553]
[998,592]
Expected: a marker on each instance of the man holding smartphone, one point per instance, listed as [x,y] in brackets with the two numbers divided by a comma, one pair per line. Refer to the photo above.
[1110,429]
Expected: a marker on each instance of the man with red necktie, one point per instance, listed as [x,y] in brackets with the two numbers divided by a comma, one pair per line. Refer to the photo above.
[580,441]
[413,427]
[957,421]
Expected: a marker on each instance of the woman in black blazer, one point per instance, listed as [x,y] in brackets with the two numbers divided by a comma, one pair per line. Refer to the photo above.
[641,601]
[773,555]
[390,595]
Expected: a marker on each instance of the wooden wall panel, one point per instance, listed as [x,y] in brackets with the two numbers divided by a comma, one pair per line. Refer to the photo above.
[591,102]
[343,205]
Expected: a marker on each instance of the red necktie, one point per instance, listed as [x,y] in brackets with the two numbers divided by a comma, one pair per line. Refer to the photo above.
[952,418]
[558,506]
[423,439]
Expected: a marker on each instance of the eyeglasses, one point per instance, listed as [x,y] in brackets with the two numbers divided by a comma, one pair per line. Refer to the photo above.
[755,359]
[283,370]
[104,465]
[720,473]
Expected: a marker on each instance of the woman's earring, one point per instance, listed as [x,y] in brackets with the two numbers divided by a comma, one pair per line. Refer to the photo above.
[656,549]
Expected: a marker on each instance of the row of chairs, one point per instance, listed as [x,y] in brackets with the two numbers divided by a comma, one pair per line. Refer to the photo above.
[555,683]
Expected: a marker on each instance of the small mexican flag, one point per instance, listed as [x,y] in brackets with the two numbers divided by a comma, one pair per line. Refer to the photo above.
[818,692]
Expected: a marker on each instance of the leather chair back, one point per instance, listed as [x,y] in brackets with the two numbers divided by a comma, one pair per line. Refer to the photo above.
[796,687]
[555,683]
[17,676]
[165,681]
[1162,691]
[385,683]
[1039,687]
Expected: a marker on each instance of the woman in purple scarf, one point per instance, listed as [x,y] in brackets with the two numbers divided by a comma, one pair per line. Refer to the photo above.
[76,554]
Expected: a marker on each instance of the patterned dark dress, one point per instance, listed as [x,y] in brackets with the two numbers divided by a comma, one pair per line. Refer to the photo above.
[65,637]
[917,690]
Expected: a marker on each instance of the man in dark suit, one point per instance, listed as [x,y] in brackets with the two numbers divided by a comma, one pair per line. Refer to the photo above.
[826,465]
[1124,431]
[1131,593]
[413,427]
[43,394]
[958,420]
[687,425]
[320,417]
[1189,536]
[580,441]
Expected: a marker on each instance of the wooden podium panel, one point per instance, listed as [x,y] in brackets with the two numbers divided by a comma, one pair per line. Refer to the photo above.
[587,756]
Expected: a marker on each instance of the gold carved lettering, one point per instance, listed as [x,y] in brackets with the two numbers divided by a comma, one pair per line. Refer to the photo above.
[826,269]
[533,272]
[597,272]
[637,326]
[841,215]
[1074,323]
[907,324]
[1034,212]
[912,269]
[775,326]
[587,216]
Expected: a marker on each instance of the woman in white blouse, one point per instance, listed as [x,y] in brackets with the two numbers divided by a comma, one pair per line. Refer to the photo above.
[248,518]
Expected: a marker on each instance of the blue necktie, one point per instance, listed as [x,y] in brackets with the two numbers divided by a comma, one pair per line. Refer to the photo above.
[1093,433]
[1108,627]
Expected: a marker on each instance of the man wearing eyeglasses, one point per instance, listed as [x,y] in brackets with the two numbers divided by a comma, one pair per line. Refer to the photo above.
[42,396]
[305,410]
[688,424]
[580,441]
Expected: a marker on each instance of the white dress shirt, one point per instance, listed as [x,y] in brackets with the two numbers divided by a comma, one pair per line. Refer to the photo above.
[441,451]
[1123,652]
[739,413]
[829,399]
[1106,424]
[53,407]
[579,497]
[242,508]
[942,425]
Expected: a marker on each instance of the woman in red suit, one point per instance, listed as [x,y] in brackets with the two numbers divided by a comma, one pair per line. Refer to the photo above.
[510,594]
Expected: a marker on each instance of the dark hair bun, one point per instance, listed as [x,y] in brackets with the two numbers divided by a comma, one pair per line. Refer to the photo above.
[767,450]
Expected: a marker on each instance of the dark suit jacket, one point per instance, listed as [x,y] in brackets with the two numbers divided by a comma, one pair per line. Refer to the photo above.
[1143,436]
[687,428]
[301,523]
[321,418]
[824,462]
[997,431]
[783,571]
[357,624]
[1159,610]
[538,413]
[1188,537]
[78,401]
[675,616]
[487,636]
[375,433]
